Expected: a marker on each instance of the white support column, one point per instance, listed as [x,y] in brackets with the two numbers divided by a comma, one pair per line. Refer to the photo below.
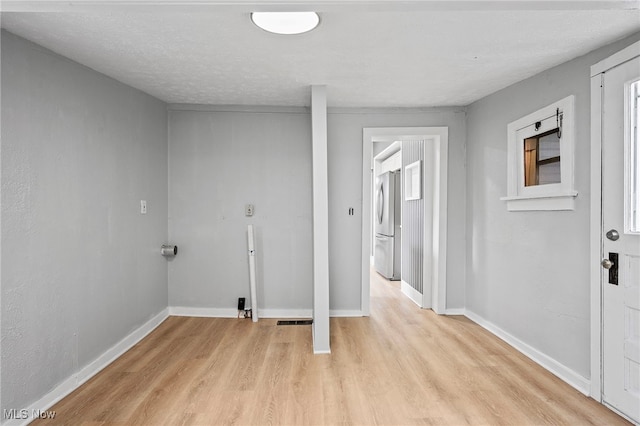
[320,220]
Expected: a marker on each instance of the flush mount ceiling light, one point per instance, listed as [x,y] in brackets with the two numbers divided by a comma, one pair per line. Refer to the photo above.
[286,22]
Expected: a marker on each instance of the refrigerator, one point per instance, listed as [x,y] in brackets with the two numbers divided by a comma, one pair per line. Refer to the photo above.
[387,219]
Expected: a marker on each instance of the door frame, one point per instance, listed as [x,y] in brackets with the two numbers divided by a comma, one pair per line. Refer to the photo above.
[437,262]
[596,225]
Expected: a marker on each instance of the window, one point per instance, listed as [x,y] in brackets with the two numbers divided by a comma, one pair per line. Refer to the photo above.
[632,180]
[540,159]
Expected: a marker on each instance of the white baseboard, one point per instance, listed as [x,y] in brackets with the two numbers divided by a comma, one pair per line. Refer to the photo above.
[285,313]
[183,311]
[411,293]
[345,313]
[79,378]
[563,372]
[459,311]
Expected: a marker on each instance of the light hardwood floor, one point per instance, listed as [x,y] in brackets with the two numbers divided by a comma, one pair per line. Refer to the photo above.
[401,366]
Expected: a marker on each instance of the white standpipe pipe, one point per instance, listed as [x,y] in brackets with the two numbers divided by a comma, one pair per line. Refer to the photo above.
[252,273]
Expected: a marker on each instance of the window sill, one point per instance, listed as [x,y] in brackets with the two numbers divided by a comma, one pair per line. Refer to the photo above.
[545,202]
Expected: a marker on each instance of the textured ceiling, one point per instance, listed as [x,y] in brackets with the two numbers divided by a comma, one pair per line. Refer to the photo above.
[395,56]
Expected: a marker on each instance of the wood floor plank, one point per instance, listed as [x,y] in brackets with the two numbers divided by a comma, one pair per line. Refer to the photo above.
[400,366]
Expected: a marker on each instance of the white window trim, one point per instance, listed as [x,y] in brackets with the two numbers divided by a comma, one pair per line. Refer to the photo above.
[630,125]
[558,196]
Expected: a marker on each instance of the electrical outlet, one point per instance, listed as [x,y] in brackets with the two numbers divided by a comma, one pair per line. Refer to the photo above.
[143,206]
[248,210]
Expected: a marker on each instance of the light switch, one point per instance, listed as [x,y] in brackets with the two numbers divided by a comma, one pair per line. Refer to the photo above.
[143,206]
[248,210]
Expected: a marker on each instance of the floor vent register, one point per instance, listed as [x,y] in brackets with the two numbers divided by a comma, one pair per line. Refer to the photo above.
[295,322]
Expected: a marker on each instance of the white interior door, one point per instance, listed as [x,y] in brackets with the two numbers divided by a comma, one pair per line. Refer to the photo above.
[621,242]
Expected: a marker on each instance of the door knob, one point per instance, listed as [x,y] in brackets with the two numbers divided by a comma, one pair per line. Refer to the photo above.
[607,264]
[612,235]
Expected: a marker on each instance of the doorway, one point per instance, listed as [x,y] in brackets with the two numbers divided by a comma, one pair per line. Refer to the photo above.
[434,238]
[615,233]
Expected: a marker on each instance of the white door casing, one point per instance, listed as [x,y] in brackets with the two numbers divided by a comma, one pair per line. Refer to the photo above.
[435,282]
[615,308]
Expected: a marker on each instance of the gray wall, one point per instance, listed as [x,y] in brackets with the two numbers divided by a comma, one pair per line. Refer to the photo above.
[80,265]
[413,221]
[528,272]
[220,161]
[345,190]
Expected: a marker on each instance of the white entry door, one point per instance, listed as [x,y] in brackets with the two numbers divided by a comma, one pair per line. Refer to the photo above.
[621,239]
